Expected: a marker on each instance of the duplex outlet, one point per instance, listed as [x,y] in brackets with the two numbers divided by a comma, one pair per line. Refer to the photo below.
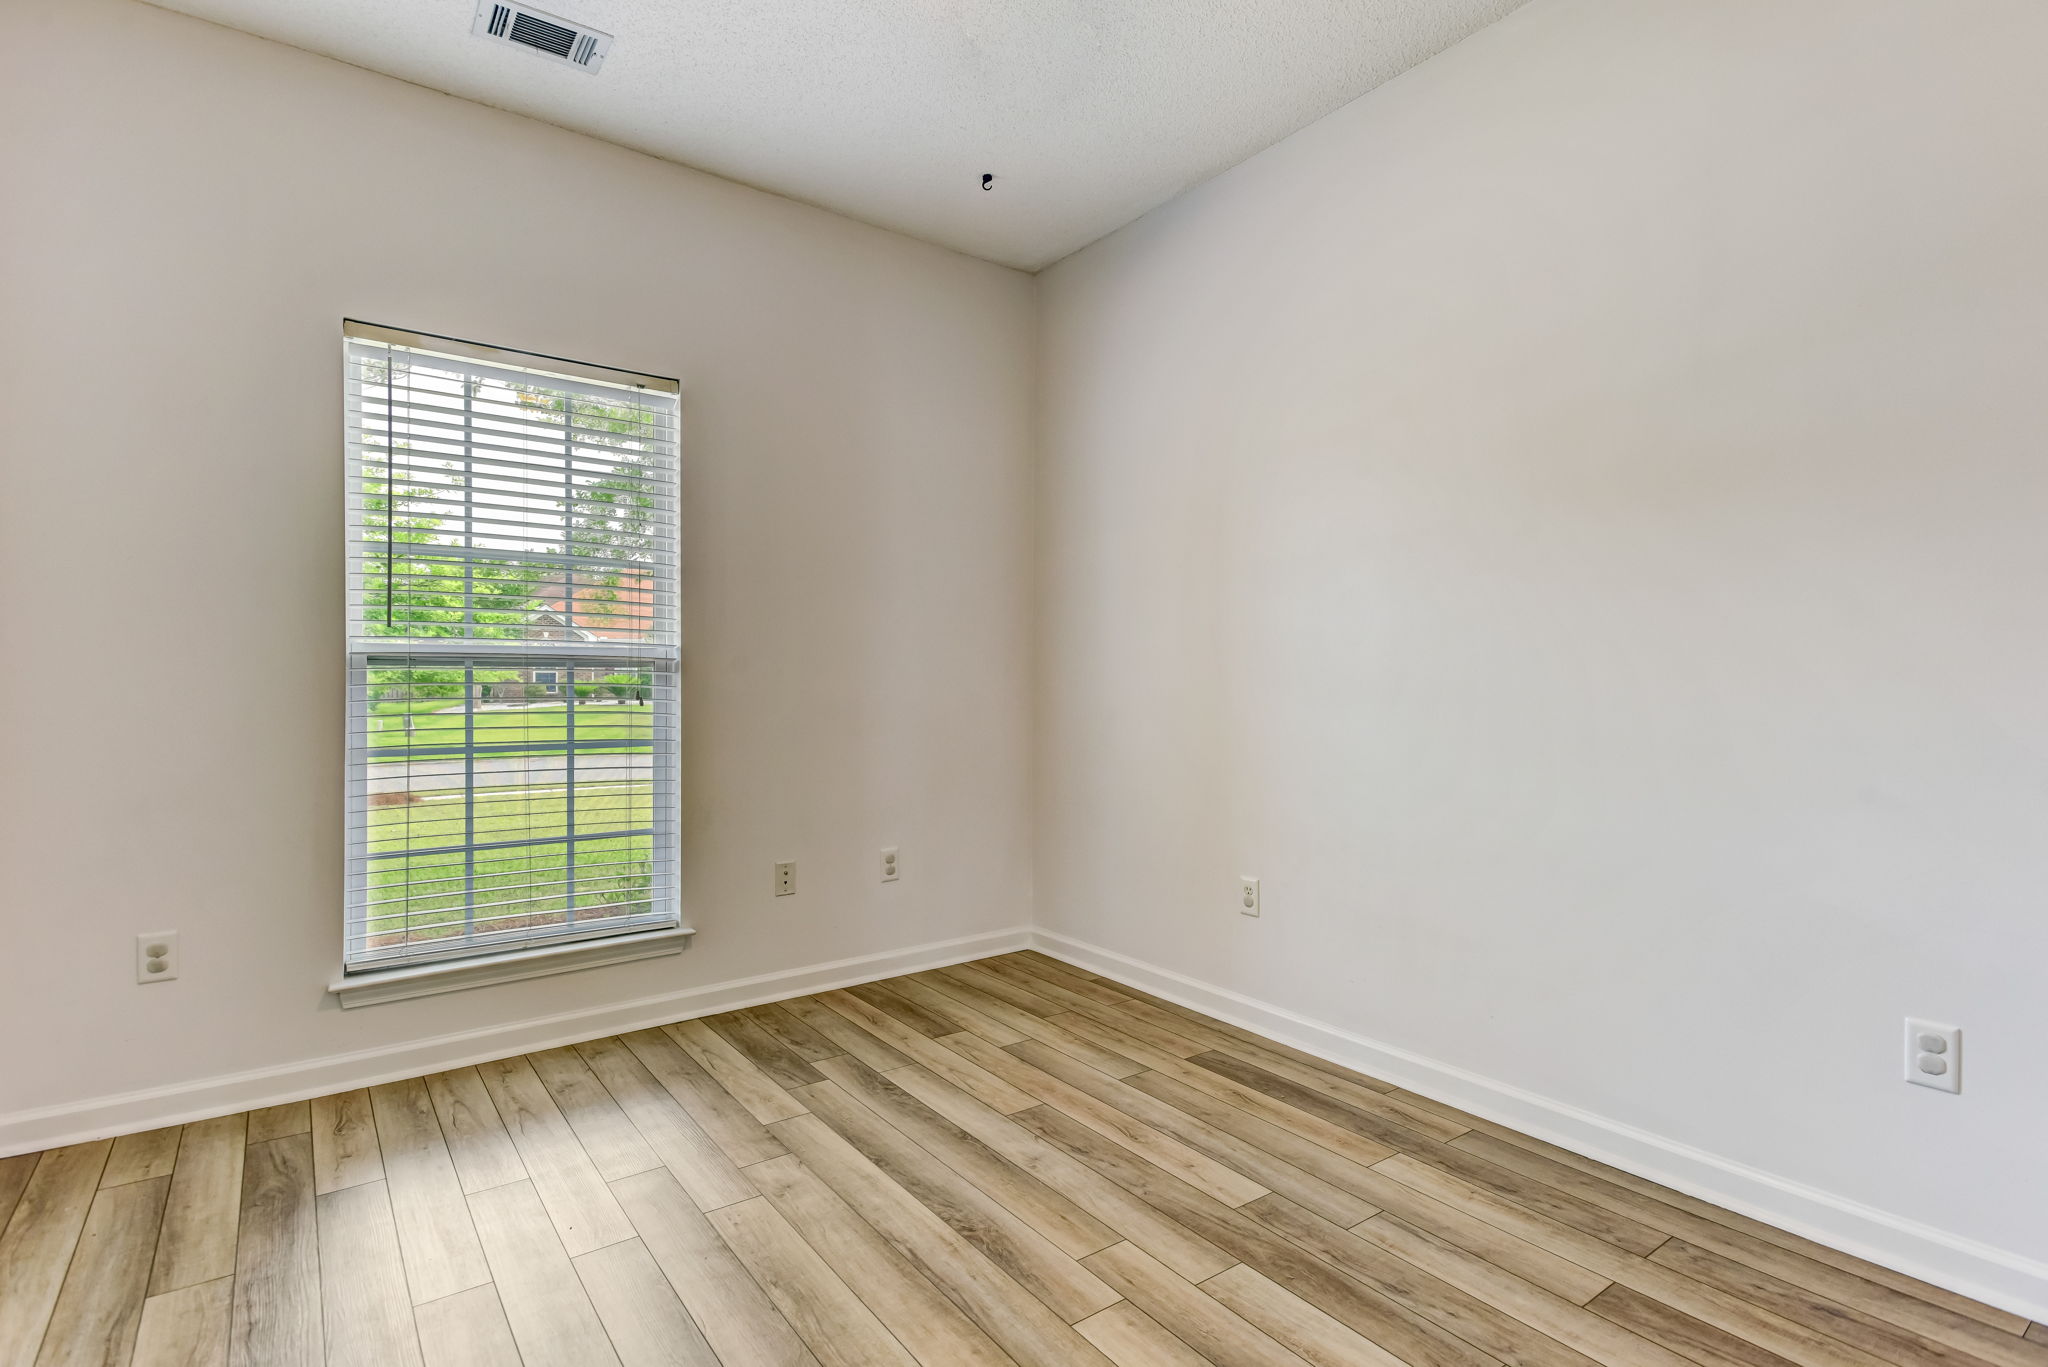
[1934,1055]
[1248,896]
[785,878]
[156,956]
[891,866]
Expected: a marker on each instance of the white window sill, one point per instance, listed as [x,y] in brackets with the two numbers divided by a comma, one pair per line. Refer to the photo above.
[424,980]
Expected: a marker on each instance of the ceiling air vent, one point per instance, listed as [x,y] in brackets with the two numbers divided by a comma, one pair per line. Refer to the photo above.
[545,33]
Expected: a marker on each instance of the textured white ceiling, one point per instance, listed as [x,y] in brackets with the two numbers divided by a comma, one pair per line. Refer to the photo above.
[1088,112]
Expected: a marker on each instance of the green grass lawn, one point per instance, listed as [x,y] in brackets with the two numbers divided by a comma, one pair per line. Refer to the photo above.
[540,725]
[612,874]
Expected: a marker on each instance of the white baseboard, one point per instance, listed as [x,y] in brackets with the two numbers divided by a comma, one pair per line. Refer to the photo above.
[2007,1280]
[128,1112]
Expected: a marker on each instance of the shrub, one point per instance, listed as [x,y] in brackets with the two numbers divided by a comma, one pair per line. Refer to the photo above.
[629,687]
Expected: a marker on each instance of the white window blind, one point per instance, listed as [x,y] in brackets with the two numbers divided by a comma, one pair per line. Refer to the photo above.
[512,650]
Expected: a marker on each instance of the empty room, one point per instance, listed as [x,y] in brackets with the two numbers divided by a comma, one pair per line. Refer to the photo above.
[1024,683]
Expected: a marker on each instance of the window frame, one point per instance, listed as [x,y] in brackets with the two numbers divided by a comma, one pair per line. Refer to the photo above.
[478,956]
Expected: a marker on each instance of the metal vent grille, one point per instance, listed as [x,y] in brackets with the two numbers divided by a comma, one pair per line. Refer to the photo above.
[543,35]
[537,31]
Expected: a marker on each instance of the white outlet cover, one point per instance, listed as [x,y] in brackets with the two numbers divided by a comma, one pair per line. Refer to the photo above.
[892,867]
[785,878]
[156,956]
[1934,1055]
[1248,896]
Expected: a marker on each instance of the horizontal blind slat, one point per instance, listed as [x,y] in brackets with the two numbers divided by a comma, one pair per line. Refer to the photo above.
[376,438]
[540,376]
[564,559]
[429,951]
[649,424]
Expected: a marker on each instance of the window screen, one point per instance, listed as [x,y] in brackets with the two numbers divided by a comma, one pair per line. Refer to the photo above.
[512,650]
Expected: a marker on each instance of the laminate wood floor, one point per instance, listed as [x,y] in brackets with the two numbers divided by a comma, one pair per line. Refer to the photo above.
[1007,1162]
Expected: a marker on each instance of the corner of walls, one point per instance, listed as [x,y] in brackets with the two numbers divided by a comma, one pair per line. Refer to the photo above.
[1034,627]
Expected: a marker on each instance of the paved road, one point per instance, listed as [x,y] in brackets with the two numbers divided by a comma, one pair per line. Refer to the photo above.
[504,771]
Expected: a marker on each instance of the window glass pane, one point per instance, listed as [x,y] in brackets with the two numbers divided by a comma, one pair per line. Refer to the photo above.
[513,671]
[489,508]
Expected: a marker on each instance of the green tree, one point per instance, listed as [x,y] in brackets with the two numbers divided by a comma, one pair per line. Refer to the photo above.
[612,516]
[417,581]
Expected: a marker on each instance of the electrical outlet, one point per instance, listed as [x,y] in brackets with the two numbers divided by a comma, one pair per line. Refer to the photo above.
[156,956]
[1934,1055]
[1248,896]
[889,864]
[785,878]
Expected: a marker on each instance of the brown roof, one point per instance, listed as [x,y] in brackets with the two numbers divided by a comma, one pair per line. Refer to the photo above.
[610,612]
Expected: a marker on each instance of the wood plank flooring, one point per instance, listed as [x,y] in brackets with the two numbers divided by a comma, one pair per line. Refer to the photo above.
[1010,1163]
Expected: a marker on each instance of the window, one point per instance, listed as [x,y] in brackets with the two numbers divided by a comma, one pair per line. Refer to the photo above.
[512,651]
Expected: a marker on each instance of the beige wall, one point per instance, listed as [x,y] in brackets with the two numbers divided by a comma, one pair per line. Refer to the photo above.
[1575,523]
[186,215]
